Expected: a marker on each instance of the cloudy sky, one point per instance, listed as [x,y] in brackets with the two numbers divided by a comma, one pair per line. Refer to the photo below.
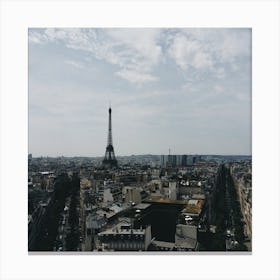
[184,89]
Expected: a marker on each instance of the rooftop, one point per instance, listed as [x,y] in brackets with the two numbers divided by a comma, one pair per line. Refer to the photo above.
[142,206]
[193,207]
[166,200]
[122,228]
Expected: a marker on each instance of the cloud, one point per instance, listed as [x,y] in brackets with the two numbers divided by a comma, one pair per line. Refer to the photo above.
[36,37]
[136,77]
[138,52]
[210,50]
[235,43]
[190,53]
[218,88]
[76,64]
[134,52]
[220,72]
[143,42]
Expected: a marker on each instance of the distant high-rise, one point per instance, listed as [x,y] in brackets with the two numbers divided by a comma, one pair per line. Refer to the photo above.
[109,160]
[175,160]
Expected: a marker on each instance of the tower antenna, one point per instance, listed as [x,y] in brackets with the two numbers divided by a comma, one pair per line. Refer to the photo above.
[109,160]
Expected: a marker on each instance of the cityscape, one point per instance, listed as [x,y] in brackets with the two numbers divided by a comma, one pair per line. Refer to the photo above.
[191,191]
[140,203]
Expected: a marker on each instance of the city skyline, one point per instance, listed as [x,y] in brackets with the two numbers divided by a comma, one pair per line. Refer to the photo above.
[184,89]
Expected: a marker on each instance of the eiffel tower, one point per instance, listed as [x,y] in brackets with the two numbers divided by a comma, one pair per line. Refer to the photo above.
[109,160]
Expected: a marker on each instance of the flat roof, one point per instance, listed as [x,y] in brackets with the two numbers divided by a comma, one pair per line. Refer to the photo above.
[193,201]
[194,207]
[166,200]
[142,206]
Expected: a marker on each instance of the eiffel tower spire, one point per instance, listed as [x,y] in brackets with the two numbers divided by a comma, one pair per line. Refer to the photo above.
[109,160]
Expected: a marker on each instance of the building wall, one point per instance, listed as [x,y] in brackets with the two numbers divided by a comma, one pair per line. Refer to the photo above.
[133,194]
[148,237]
[124,242]
[177,160]
[107,196]
[189,231]
[172,190]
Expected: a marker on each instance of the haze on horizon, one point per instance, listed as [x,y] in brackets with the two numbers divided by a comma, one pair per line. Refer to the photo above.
[184,89]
